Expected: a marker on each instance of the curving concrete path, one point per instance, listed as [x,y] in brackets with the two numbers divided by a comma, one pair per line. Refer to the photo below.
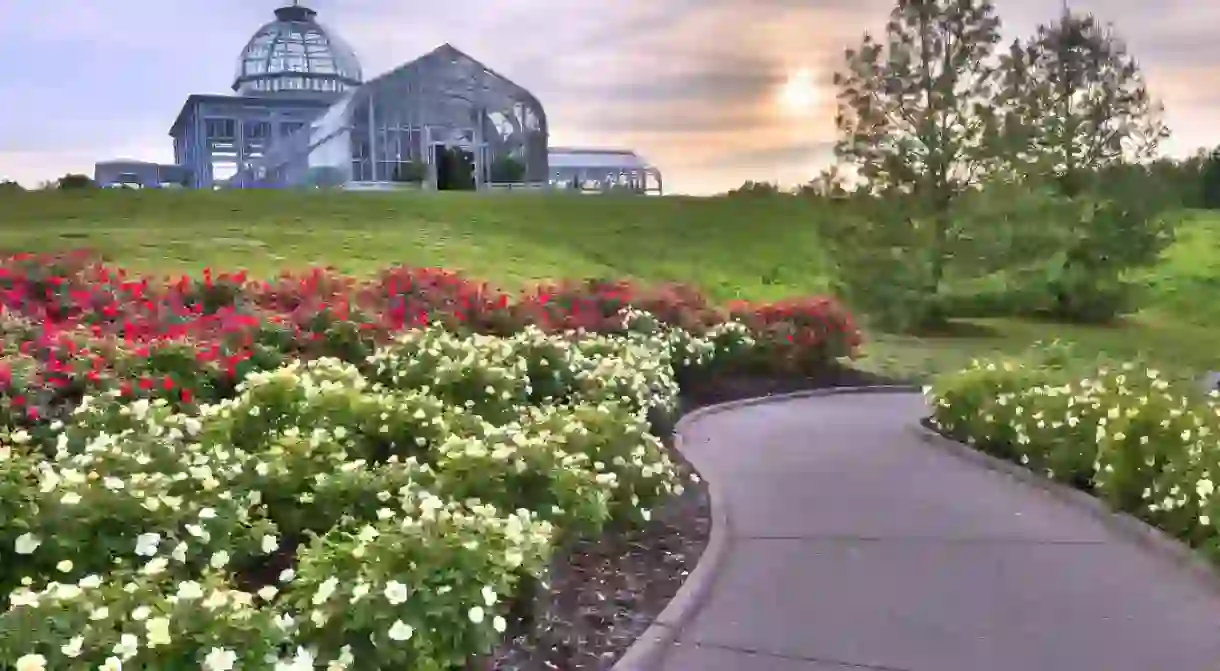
[854,545]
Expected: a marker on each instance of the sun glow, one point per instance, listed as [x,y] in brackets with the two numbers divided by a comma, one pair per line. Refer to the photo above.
[799,93]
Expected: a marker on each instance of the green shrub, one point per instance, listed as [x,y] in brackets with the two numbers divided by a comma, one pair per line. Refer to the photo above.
[420,589]
[1146,444]
[413,497]
[114,620]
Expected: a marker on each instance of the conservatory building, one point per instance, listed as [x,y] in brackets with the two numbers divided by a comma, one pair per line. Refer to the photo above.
[444,120]
[302,115]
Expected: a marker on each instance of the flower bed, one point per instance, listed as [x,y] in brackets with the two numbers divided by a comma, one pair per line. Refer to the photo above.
[319,470]
[70,326]
[384,515]
[1147,446]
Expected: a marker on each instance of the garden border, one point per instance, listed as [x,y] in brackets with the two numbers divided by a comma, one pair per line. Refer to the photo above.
[1124,524]
[647,651]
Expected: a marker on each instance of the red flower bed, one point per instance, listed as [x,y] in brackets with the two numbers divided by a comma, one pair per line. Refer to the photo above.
[71,326]
[800,335]
[594,305]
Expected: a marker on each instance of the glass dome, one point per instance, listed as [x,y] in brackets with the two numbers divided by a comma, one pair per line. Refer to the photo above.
[296,54]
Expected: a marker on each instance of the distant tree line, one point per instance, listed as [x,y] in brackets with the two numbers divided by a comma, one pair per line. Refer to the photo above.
[67,182]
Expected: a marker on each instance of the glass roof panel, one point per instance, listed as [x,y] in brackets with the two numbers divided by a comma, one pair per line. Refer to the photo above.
[296,43]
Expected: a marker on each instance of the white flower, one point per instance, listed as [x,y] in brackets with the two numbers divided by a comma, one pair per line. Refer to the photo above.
[220,659]
[158,631]
[31,663]
[325,590]
[146,544]
[70,499]
[219,559]
[189,590]
[155,567]
[287,575]
[90,582]
[141,613]
[26,544]
[73,647]
[499,624]
[489,595]
[476,614]
[193,426]
[270,544]
[268,593]
[127,647]
[396,593]
[67,592]
[401,631]
[111,664]
[64,566]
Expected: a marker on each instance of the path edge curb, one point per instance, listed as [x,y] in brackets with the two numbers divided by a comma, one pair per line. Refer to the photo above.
[648,651]
[1125,525]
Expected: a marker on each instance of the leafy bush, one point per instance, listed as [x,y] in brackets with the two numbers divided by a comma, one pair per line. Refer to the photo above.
[369,516]
[507,169]
[1127,433]
[798,335]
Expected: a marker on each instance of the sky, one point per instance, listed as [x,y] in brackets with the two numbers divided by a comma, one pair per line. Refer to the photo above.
[697,87]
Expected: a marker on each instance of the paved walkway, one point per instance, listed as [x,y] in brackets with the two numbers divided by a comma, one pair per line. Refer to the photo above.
[856,546]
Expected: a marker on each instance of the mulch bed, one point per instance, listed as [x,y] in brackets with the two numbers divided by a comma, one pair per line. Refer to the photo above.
[604,593]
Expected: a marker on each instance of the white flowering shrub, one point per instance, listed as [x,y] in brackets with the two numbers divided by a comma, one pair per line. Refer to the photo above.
[483,374]
[131,500]
[635,372]
[419,589]
[331,515]
[630,463]
[108,414]
[514,470]
[1146,445]
[134,621]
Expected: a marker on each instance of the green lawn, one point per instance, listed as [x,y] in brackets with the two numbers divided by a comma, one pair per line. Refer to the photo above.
[1179,348]
[758,249]
[751,248]
[1186,284]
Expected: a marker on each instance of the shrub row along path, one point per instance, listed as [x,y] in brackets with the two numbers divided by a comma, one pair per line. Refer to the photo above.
[855,545]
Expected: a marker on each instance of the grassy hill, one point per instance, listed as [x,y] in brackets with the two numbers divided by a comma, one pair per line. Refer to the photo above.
[751,248]
[1186,284]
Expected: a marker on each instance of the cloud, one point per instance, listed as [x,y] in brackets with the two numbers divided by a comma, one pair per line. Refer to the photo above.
[690,84]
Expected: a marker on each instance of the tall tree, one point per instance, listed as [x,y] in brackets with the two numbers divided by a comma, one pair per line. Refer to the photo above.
[1077,102]
[830,183]
[1078,113]
[914,121]
[1210,180]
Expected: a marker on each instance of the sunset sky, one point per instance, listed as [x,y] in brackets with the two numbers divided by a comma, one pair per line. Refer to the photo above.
[696,86]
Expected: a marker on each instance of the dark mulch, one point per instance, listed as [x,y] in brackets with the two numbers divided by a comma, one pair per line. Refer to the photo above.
[605,592]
